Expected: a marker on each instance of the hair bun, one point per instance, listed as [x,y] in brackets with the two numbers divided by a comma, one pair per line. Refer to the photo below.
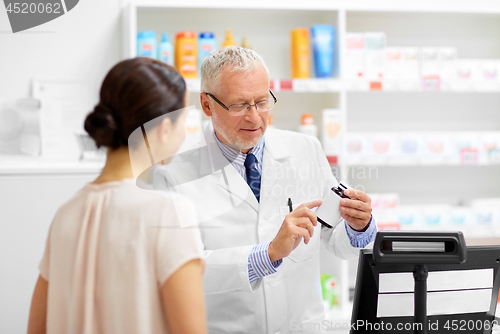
[102,109]
[102,126]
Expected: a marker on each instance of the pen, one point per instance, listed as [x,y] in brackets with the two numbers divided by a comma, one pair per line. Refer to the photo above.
[319,219]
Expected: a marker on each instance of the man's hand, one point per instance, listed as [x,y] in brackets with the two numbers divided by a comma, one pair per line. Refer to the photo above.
[298,224]
[357,211]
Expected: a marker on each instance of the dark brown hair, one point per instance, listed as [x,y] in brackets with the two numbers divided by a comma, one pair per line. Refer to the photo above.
[134,92]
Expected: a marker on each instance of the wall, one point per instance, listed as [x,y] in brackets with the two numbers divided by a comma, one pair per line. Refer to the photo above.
[80,45]
[28,204]
[83,44]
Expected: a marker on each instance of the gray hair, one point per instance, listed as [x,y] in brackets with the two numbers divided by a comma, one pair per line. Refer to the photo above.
[234,58]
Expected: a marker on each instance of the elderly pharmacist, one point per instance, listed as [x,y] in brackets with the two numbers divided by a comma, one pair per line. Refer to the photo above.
[262,271]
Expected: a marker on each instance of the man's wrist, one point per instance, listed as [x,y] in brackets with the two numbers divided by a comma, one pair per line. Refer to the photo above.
[259,263]
[364,228]
[272,255]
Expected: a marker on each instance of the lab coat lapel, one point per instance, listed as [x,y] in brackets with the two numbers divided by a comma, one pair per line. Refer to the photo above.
[227,176]
[275,156]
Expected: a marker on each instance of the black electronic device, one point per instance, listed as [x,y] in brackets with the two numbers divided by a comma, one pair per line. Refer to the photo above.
[435,255]
[328,212]
[339,190]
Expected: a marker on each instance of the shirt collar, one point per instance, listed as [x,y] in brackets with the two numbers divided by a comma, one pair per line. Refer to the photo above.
[232,154]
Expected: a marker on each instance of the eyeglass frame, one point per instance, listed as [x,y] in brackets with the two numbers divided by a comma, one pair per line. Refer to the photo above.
[248,105]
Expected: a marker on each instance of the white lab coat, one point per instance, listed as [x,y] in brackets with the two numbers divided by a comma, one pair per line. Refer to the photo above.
[232,222]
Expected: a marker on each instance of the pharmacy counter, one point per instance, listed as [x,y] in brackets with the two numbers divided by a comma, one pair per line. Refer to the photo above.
[40,166]
[31,191]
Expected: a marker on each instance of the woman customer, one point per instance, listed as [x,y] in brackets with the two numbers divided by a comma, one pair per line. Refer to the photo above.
[118,258]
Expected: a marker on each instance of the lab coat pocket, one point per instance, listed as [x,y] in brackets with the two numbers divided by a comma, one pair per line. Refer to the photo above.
[303,252]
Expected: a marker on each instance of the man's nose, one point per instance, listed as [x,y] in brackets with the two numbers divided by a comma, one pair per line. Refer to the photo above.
[252,114]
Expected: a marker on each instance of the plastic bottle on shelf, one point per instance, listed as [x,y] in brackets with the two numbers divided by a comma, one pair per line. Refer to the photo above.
[166,50]
[374,58]
[246,43]
[229,41]
[206,44]
[186,54]
[270,121]
[146,44]
[331,291]
[323,37]
[307,126]
[331,135]
[300,53]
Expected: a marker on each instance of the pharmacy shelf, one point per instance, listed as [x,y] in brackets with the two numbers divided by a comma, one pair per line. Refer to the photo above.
[287,85]
[408,163]
[257,4]
[386,106]
[44,166]
[316,85]
[422,6]
[410,87]
[270,38]
[450,185]
[307,85]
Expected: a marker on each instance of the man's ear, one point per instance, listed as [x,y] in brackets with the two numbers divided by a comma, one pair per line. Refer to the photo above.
[205,104]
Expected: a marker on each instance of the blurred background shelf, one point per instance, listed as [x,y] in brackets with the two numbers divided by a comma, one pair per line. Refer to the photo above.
[288,85]
[38,166]
[472,27]
[384,107]
[316,85]
[424,6]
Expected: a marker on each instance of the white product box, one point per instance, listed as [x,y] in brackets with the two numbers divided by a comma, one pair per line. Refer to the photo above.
[436,216]
[487,216]
[401,69]
[411,148]
[410,69]
[489,148]
[466,148]
[382,148]
[355,148]
[385,211]
[393,68]
[462,219]
[431,80]
[353,61]
[446,62]
[486,221]
[488,76]
[375,43]
[411,217]
[466,72]
[437,148]
[332,131]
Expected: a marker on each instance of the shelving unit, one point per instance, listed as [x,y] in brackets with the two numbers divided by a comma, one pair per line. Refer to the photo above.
[473,34]
[288,85]
[471,27]
[40,166]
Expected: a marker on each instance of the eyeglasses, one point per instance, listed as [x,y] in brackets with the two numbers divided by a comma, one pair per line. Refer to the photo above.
[241,109]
